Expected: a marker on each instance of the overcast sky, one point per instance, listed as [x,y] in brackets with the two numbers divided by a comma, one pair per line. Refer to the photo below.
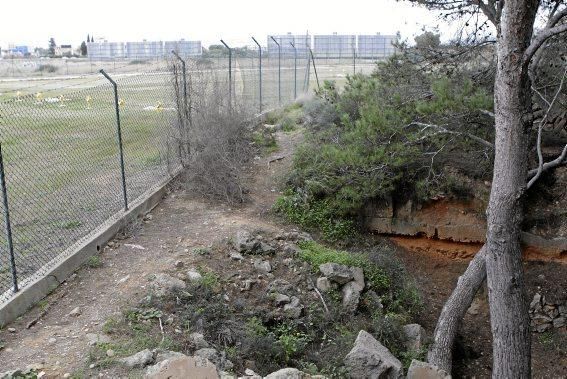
[33,22]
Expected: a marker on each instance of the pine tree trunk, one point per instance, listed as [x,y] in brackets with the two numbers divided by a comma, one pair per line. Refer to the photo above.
[504,272]
[500,258]
[440,352]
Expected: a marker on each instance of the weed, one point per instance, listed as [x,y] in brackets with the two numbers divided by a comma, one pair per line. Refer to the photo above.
[73,224]
[407,356]
[94,261]
[203,251]
[315,215]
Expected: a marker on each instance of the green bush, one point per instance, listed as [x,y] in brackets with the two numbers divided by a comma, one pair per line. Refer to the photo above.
[47,68]
[315,215]
[363,144]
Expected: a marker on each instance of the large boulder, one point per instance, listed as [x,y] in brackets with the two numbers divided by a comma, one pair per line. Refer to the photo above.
[369,359]
[337,273]
[182,367]
[214,356]
[424,370]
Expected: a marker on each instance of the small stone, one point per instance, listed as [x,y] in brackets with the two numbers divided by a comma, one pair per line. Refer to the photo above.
[324,284]
[559,322]
[370,359]
[281,299]
[263,266]
[424,370]
[52,341]
[291,249]
[236,256]
[247,285]
[67,375]
[110,353]
[358,276]
[198,340]
[416,337]
[92,365]
[194,276]
[139,360]
[11,330]
[351,296]
[75,312]
[337,273]
[179,264]
[164,284]
[294,308]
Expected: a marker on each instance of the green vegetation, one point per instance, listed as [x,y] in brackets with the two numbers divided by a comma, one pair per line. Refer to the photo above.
[316,254]
[94,262]
[399,132]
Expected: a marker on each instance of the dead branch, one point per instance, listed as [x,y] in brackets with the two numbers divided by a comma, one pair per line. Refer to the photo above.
[539,169]
[442,130]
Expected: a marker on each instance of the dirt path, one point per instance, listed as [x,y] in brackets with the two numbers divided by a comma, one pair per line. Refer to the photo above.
[58,341]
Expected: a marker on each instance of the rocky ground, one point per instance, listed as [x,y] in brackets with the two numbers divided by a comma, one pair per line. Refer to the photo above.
[223,290]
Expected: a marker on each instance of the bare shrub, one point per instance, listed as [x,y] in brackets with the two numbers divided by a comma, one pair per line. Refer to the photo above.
[212,137]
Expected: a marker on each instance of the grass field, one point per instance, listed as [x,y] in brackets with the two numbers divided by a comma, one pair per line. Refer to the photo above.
[59,143]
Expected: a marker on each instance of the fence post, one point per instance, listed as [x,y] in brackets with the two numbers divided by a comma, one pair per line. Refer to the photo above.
[260,47]
[7,223]
[184,81]
[294,71]
[229,75]
[119,130]
[279,71]
[354,61]
[315,68]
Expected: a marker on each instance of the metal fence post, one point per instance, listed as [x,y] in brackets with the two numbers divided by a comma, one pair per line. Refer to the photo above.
[121,151]
[279,71]
[260,47]
[354,61]
[315,68]
[229,75]
[184,81]
[7,223]
[294,71]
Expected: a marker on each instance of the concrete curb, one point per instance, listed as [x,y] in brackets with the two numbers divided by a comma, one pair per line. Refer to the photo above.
[36,288]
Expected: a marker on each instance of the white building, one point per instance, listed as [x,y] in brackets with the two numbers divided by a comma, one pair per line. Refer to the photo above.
[376,46]
[334,45]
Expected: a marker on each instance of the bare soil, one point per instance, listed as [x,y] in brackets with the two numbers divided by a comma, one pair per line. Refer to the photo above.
[57,341]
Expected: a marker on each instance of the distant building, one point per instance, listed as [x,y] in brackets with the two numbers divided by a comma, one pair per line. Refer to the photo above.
[64,50]
[302,44]
[142,50]
[183,48]
[376,46]
[16,51]
[334,45]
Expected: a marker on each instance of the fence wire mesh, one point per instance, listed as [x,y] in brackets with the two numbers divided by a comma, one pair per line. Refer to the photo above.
[60,146]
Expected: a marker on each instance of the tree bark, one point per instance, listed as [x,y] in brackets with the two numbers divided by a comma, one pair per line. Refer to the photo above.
[441,350]
[504,272]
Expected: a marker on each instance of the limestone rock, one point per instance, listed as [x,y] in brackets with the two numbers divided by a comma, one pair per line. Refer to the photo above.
[198,340]
[164,284]
[280,299]
[416,337]
[280,286]
[423,370]
[182,367]
[358,276]
[294,308]
[337,273]
[369,359]
[139,360]
[263,266]
[324,284]
[214,356]
[194,276]
[351,296]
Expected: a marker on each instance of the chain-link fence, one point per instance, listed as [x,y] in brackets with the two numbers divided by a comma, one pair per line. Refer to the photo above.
[74,153]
